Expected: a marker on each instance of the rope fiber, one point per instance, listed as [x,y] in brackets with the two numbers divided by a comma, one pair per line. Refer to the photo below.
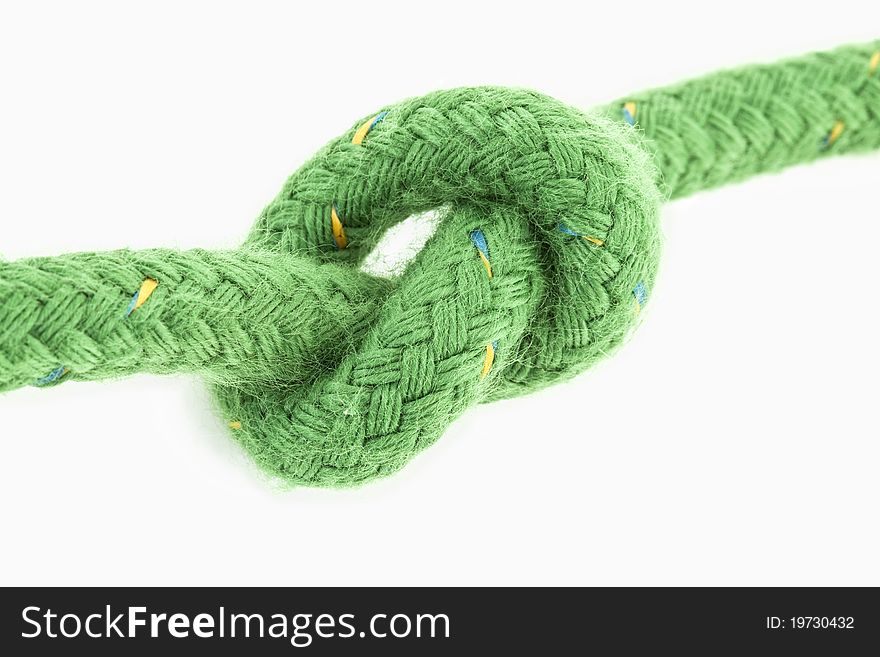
[545,255]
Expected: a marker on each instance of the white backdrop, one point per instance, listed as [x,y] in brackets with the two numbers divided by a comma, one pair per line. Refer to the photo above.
[734,440]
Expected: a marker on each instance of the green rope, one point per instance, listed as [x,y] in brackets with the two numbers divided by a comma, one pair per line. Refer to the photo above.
[545,255]
[732,125]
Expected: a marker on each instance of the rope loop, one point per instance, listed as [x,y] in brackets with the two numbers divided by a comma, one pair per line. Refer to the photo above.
[531,277]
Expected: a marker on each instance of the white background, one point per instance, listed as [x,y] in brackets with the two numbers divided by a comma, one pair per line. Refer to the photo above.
[733,441]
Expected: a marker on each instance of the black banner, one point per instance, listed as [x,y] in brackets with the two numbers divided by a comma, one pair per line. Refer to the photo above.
[101,621]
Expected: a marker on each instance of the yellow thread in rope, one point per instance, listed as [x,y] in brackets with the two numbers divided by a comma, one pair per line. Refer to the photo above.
[361,133]
[592,240]
[489,359]
[479,240]
[338,231]
[629,112]
[234,424]
[140,297]
[834,135]
[874,64]
[486,264]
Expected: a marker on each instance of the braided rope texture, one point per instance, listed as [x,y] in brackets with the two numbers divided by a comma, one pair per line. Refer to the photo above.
[546,253]
[729,126]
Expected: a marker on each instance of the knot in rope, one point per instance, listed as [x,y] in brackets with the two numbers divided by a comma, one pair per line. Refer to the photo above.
[539,266]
